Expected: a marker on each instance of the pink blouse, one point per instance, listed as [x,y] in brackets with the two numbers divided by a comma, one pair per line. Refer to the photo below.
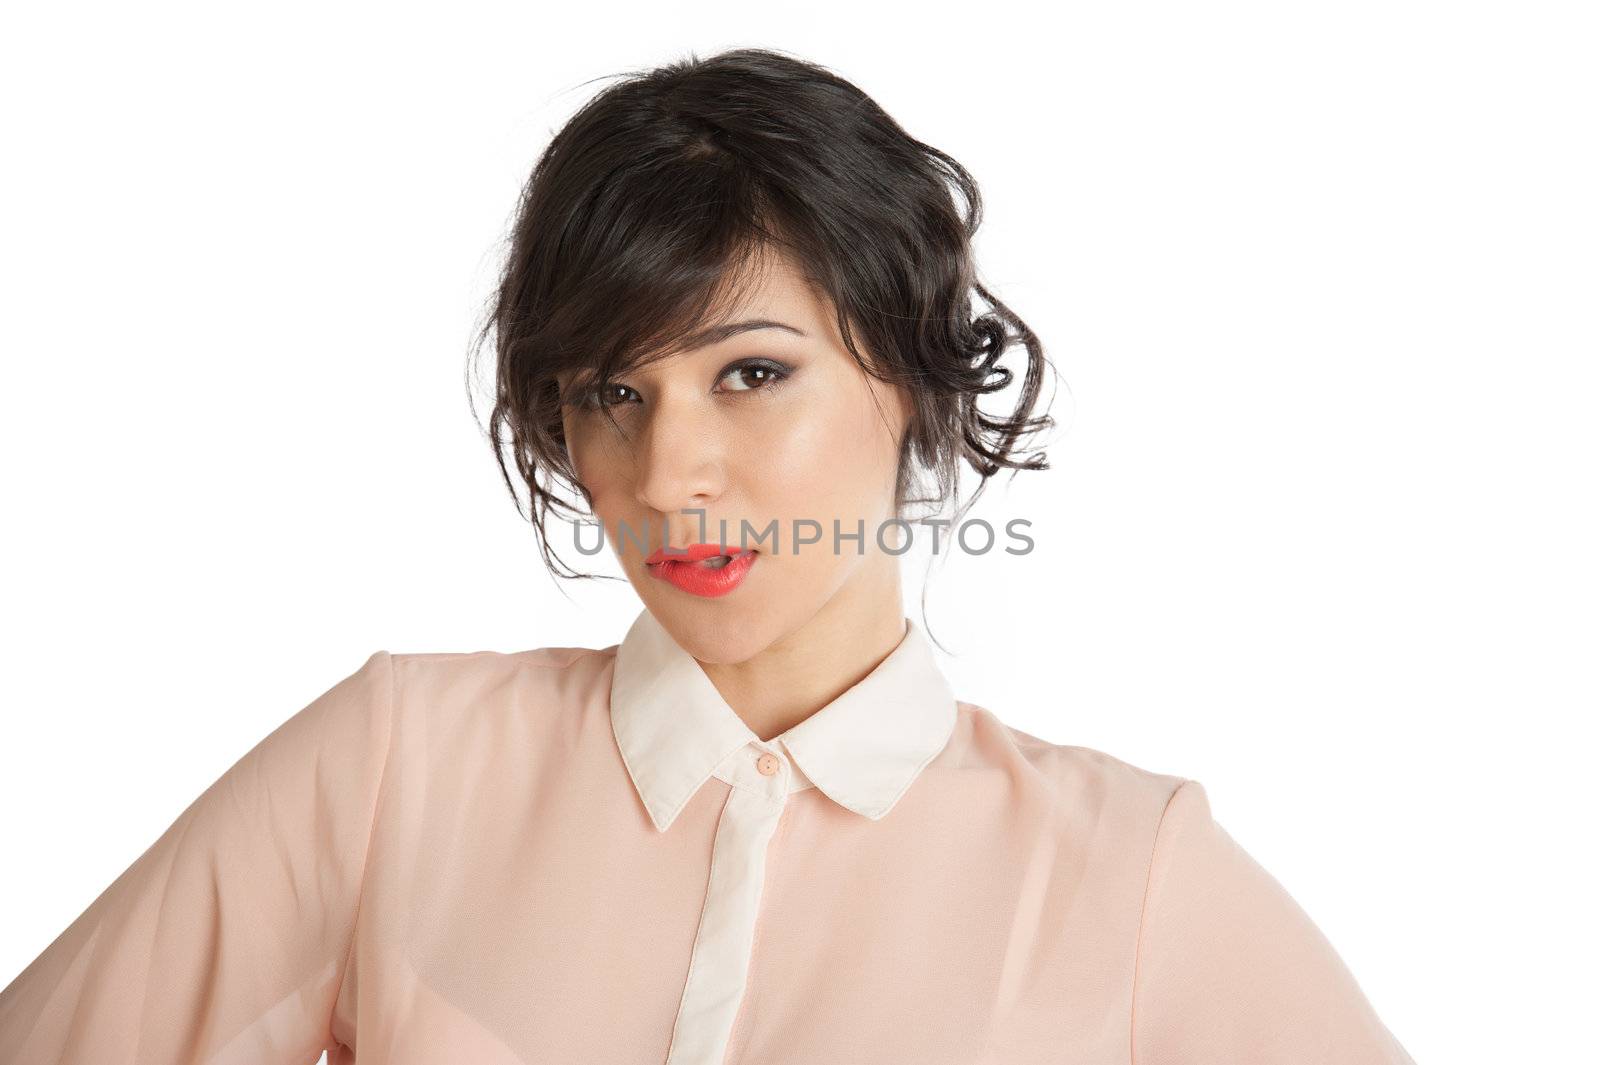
[584,856]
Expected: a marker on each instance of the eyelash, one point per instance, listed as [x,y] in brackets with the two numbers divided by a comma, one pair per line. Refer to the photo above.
[589,398]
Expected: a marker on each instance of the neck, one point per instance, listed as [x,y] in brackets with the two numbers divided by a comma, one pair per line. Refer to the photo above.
[808,668]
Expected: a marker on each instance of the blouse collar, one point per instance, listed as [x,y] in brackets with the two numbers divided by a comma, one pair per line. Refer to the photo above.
[863,749]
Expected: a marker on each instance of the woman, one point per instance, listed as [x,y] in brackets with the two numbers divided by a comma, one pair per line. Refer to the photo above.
[735,319]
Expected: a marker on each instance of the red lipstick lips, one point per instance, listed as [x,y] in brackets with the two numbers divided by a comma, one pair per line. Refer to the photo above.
[692,569]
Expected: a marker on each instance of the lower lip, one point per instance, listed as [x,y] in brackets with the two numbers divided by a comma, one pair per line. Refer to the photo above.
[696,579]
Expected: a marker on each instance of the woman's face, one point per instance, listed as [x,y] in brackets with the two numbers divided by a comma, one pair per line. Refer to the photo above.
[768,425]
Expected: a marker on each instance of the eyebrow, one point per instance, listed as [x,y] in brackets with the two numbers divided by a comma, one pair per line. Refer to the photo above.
[718,333]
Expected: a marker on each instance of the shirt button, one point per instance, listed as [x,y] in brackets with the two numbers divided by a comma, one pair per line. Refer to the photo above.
[767,764]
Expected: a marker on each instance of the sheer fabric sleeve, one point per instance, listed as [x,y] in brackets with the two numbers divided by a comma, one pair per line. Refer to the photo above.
[226,941]
[1230,970]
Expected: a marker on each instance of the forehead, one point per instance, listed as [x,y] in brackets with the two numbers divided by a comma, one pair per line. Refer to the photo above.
[776,288]
[770,289]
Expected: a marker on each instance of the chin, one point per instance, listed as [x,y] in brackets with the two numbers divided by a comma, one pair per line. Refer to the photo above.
[714,633]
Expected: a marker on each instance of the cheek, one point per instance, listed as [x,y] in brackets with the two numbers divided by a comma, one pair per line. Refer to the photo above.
[596,470]
[827,460]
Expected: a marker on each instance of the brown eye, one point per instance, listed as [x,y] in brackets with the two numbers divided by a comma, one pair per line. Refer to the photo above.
[754,376]
[590,397]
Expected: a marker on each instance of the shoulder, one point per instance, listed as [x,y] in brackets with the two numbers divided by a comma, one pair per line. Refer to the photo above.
[467,663]
[553,674]
[1084,783]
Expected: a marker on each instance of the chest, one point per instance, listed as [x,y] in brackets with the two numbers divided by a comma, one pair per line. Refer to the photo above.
[564,927]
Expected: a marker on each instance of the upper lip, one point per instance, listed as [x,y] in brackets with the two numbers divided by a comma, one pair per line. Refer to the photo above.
[692,553]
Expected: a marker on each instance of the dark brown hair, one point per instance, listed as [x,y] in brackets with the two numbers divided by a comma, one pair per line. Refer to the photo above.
[656,202]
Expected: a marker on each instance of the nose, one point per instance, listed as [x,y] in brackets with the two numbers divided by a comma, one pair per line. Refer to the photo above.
[679,461]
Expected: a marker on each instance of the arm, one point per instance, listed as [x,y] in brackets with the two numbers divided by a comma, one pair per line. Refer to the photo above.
[1230,970]
[225,941]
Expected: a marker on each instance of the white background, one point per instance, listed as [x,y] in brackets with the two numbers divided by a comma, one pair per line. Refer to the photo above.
[1319,280]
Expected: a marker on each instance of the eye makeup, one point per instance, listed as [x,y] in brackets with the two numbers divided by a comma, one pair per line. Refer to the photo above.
[583,395]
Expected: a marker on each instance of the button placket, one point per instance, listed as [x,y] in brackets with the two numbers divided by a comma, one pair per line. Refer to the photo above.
[720,959]
[763,770]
